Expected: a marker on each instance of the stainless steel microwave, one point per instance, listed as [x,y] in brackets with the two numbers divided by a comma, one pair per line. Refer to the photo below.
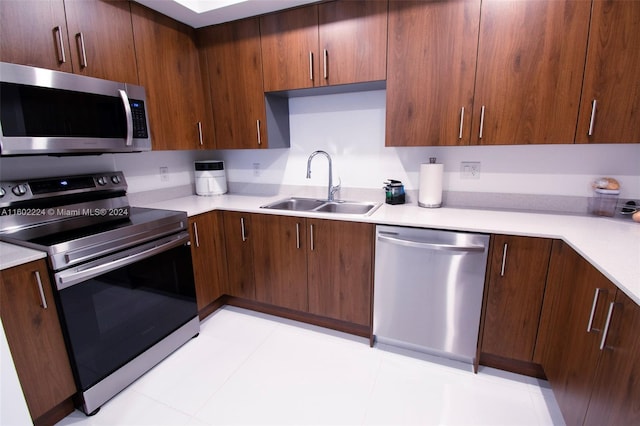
[56,113]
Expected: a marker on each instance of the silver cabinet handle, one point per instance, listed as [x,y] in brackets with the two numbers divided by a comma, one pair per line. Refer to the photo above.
[312,244]
[128,115]
[40,289]
[504,259]
[61,57]
[481,121]
[200,132]
[461,123]
[311,66]
[81,49]
[258,131]
[413,243]
[297,235]
[593,310]
[242,231]
[593,116]
[195,234]
[326,58]
[605,333]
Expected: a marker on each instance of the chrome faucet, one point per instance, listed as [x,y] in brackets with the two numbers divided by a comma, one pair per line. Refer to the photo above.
[332,189]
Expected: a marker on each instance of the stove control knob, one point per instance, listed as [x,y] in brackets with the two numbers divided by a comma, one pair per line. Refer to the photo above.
[102,181]
[115,179]
[2,192]
[19,189]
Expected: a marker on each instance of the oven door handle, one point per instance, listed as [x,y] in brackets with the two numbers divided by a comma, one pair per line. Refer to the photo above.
[73,276]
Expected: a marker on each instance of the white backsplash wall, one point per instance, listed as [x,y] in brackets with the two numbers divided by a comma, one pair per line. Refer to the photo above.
[350,127]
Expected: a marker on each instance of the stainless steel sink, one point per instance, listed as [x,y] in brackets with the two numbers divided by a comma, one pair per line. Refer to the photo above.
[295,204]
[323,206]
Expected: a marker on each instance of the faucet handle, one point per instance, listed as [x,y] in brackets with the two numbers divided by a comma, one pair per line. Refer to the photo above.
[336,187]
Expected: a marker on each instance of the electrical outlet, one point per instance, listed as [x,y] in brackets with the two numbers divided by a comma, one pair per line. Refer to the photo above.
[256,170]
[470,170]
[164,174]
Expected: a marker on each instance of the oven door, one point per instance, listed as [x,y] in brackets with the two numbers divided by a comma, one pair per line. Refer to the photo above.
[115,308]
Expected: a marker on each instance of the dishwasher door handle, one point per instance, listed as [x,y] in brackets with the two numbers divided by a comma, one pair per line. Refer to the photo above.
[407,242]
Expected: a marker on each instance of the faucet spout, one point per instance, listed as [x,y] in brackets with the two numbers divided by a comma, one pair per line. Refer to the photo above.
[331,189]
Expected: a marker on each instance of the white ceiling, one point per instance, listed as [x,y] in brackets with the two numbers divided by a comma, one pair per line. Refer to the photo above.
[200,13]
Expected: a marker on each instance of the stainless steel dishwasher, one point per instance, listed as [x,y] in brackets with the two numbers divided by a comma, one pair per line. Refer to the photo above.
[428,290]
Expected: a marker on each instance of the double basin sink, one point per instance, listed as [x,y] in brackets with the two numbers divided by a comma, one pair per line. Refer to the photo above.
[323,206]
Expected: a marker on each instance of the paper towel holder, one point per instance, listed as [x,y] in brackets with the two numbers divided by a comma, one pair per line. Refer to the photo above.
[430,190]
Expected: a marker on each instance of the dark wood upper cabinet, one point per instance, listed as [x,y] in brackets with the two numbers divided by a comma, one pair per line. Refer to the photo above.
[430,72]
[101,39]
[353,41]
[611,75]
[289,42]
[529,74]
[234,65]
[34,32]
[331,43]
[517,277]
[169,68]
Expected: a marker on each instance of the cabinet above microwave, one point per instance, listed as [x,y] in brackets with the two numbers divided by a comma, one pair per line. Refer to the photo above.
[56,113]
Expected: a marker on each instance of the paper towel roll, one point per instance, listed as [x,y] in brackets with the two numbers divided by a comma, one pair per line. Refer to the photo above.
[430,191]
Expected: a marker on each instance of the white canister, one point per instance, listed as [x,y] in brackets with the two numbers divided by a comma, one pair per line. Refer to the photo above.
[210,177]
[430,190]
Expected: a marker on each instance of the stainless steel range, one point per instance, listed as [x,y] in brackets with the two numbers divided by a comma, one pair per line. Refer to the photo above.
[122,275]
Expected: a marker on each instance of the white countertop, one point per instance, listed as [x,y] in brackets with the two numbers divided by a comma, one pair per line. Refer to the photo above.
[611,245]
[12,255]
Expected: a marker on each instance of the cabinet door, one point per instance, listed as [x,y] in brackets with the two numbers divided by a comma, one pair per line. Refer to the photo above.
[238,237]
[34,32]
[616,394]
[101,39]
[517,278]
[280,261]
[340,259]
[169,69]
[353,41]
[234,66]
[575,306]
[530,65]
[209,257]
[430,72]
[611,75]
[33,331]
[289,43]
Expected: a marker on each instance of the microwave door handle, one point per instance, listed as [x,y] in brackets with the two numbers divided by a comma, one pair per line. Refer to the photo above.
[127,111]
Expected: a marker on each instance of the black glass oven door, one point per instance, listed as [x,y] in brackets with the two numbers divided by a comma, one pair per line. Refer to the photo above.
[116,308]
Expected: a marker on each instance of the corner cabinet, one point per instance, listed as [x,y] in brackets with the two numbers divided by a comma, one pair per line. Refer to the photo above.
[209,259]
[515,290]
[529,74]
[588,343]
[30,319]
[610,108]
[88,37]
[430,73]
[337,42]
[244,117]
[169,68]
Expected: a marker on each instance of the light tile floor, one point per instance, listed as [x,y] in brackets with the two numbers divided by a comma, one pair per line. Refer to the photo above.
[254,369]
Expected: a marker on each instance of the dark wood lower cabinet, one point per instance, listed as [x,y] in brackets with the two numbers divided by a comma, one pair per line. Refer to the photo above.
[574,319]
[238,235]
[31,324]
